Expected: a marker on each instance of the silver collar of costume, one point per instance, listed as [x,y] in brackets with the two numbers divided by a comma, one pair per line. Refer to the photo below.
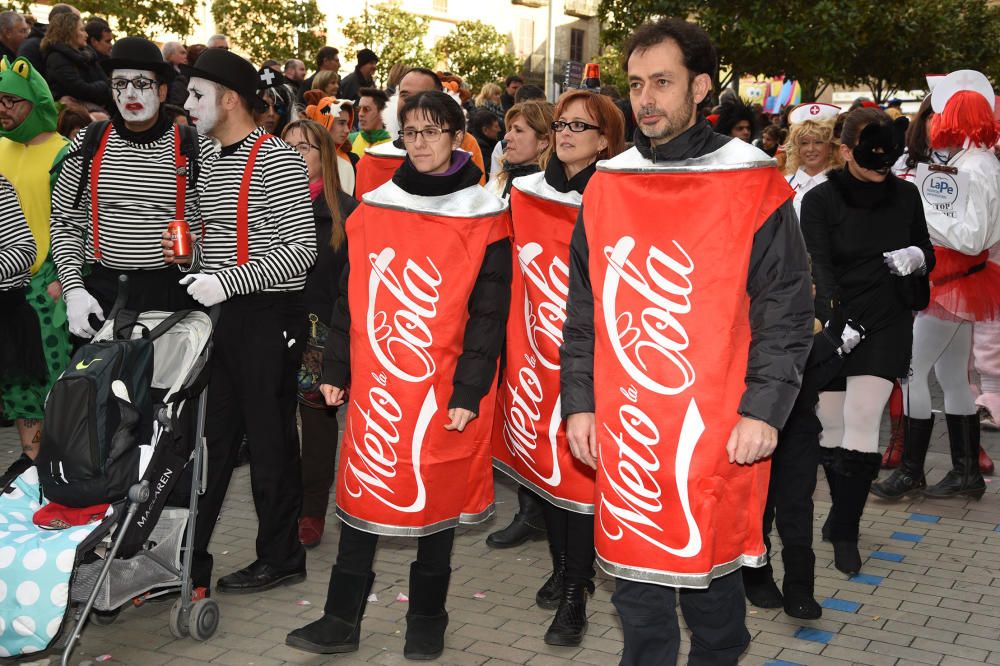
[734,156]
[536,184]
[473,201]
[385,149]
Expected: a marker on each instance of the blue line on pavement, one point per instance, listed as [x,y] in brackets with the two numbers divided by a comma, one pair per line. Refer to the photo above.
[925,517]
[907,536]
[841,605]
[883,555]
[781,662]
[866,579]
[814,635]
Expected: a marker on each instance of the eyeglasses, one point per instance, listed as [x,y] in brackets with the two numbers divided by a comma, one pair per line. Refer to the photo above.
[430,134]
[576,126]
[303,148]
[139,83]
[9,101]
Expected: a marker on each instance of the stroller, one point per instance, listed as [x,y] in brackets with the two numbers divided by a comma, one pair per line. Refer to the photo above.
[141,548]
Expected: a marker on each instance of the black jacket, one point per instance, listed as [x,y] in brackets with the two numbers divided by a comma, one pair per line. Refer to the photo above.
[31,48]
[177,93]
[7,53]
[489,304]
[72,72]
[781,312]
[351,85]
[323,280]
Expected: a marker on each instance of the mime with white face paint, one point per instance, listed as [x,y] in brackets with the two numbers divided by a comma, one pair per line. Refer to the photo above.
[146,172]
[258,244]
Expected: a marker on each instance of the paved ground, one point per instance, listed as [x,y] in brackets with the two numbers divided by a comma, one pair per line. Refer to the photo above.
[929,594]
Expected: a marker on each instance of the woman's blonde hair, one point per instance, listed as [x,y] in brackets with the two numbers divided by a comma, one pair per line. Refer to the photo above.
[317,135]
[810,128]
[62,30]
[325,78]
[486,92]
[396,74]
[537,115]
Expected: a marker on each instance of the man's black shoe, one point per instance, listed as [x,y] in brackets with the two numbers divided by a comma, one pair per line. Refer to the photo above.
[519,531]
[259,577]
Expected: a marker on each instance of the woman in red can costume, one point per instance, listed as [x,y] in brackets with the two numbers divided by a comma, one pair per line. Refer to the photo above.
[415,336]
[961,195]
[532,447]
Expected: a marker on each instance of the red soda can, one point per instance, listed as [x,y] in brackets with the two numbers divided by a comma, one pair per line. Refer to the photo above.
[180,234]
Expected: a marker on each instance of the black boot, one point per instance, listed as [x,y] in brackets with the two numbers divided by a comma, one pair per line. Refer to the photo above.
[528,523]
[831,480]
[854,472]
[758,583]
[551,592]
[340,627]
[909,476]
[964,477]
[427,619]
[798,583]
[570,623]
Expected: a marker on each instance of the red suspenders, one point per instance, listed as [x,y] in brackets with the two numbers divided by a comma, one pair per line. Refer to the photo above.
[243,204]
[180,160]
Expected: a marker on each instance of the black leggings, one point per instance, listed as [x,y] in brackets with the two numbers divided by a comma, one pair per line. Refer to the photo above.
[356,553]
[571,533]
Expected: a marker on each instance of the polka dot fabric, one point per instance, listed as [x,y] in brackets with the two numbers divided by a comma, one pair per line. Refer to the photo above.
[35,568]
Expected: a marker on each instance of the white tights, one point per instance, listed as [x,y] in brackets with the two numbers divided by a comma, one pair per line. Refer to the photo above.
[944,346]
[851,418]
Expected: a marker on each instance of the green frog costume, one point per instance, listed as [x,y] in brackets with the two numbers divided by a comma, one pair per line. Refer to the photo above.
[32,169]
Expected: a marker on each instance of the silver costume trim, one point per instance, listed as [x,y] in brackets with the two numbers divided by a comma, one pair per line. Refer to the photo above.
[385,149]
[696,581]
[575,507]
[536,185]
[734,156]
[473,201]
[395,530]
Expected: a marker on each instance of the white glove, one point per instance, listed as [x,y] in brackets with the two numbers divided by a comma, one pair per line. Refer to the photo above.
[906,261]
[79,306]
[206,289]
[849,339]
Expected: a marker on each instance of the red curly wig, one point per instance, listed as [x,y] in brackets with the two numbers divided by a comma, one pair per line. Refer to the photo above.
[966,116]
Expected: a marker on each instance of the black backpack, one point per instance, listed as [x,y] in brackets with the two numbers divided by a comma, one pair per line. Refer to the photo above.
[97,414]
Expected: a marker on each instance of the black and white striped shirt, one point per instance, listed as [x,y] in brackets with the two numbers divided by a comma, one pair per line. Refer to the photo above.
[282,236]
[136,200]
[17,245]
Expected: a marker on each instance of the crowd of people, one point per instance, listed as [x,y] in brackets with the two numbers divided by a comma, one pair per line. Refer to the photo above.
[659,314]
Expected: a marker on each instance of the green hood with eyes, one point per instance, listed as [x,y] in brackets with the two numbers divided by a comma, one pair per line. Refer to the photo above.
[21,79]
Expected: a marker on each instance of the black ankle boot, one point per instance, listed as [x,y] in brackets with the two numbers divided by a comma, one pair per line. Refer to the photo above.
[797,586]
[909,476]
[340,627]
[551,592]
[761,591]
[854,472]
[427,618]
[570,623]
[528,523]
[964,477]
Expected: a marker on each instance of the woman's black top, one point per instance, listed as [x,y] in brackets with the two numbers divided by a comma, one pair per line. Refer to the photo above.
[847,225]
[489,302]
[322,282]
[516,171]
[555,176]
[69,71]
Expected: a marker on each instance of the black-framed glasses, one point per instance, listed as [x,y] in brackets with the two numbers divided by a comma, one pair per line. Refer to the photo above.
[9,101]
[573,125]
[430,134]
[139,83]
[304,147]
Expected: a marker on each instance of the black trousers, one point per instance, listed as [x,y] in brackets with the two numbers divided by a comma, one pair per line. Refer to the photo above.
[716,617]
[356,552]
[147,290]
[571,533]
[793,480]
[251,392]
[319,458]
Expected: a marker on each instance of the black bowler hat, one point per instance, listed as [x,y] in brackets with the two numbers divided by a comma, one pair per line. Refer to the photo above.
[138,53]
[230,70]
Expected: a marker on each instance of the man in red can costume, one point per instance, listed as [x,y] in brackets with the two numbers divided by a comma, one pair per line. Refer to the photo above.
[688,325]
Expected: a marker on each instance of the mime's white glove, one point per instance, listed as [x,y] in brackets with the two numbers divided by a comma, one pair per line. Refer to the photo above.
[206,289]
[79,306]
[906,261]
[850,339]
